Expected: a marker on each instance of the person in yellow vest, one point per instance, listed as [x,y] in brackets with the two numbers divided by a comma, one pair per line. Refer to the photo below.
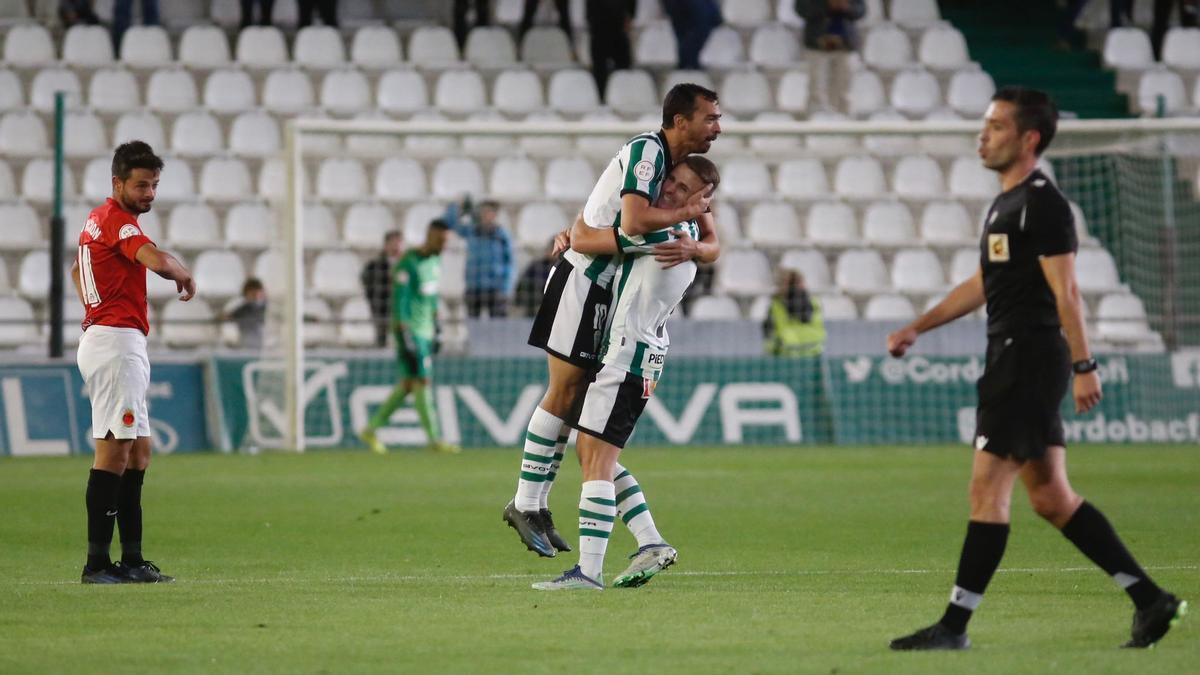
[793,326]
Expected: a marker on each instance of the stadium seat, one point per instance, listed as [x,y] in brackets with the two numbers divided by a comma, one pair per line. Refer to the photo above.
[48,82]
[402,92]
[433,47]
[430,146]
[656,46]
[723,50]
[918,178]
[365,225]
[745,93]
[774,46]
[832,224]
[459,92]
[12,93]
[320,229]
[455,177]
[73,314]
[943,47]
[518,92]
[229,91]
[146,47]
[319,325]
[342,179]
[203,47]
[83,134]
[538,222]
[37,181]
[915,13]
[1096,271]
[812,264]
[417,219]
[515,179]
[546,47]
[746,13]
[1181,48]
[971,180]
[1127,49]
[196,134]
[1121,317]
[792,93]
[225,179]
[970,91]
[8,183]
[172,90]
[335,275]
[569,178]
[767,144]
[254,134]
[400,179]
[367,144]
[964,264]
[1081,228]
[631,92]
[572,91]
[193,227]
[97,179]
[375,47]
[889,145]
[940,145]
[261,47]
[22,232]
[861,272]
[729,224]
[887,47]
[345,92]
[865,94]
[271,270]
[319,47]
[356,327]
[33,275]
[87,46]
[915,92]
[715,308]
[287,91]
[700,77]
[785,13]
[452,283]
[917,270]
[111,90]
[28,44]
[250,226]
[189,324]
[1161,83]
[490,48]
[273,178]
[743,273]
[889,307]
[888,224]
[945,223]
[19,328]
[837,307]
[859,178]
[744,178]
[773,225]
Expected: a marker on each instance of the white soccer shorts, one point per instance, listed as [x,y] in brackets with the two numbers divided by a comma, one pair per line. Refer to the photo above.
[116,371]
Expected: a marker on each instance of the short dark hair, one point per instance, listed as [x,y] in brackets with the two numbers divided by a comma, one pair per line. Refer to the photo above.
[681,100]
[252,284]
[134,155]
[390,235]
[1035,111]
[490,204]
[705,170]
[439,224]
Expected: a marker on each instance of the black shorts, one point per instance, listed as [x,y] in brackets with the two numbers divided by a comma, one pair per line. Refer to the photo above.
[1020,394]
[573,317]
[610,406]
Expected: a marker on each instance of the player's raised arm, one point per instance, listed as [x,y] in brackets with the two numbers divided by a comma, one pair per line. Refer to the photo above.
[639,217]
[590,240]
[960,301]
[168,266]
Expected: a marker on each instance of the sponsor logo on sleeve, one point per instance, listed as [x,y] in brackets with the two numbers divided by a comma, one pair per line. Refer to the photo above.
[128,231]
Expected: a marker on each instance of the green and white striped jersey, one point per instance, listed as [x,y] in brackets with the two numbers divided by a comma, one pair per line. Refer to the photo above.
[639,167]
[646,294]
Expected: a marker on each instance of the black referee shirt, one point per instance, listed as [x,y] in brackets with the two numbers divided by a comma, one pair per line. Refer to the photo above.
[1030,221]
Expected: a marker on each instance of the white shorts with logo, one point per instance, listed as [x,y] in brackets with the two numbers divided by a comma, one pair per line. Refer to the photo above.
[116,371]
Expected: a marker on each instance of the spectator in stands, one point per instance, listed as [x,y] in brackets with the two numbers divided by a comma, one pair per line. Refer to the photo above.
[72,12]
[693,21]
[265,8]
[1189,17]
[793,326]
[326,8]
[532,284]
[609,23]
[829,24]
[250,315]
[483,17]
[376,280]
[123,18]
[489,273]
[564,19]
[1120,13]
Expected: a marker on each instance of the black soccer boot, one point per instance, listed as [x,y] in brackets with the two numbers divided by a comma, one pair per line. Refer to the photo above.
[529,527]
[936,636]
[144,572]
[105,575]
[556,540]
[1152,623]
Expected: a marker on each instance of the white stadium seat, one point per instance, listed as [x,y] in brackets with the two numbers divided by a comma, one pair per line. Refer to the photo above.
[319,47]
[812,264]
[172,90]
[1181,48]
[792,93]
[865,94]
[773,224]
[887,48]
[254,134]
[196,134]
[832,224]
[8,183]
[28,44]
[859,178]
[538,222]
[250,226]
[970,91]
[19,327]
[400,179]
[946,146]
[515,179]
[193,227]
[203,47]
[746,13]
[964,263]
[1096,271]
[1161,83]
[715,308]
[22,133]
[273,178]
[375,47]
[319,325]
[455,177]
[33,275]
[433,47]
[837,307]
[320,229]
[490,48]
[288,91]
[146,46]
[345,92]
[12,93]
[573,91]
[261,47]
[890,145]
[97,179]
[229,91]
[518,92]
[723,49]
[765,144]
[915,91]
[113,90]
[342,179]
[365,225]
[656,46]
[366,144]
[743,273]
[785,13]
[1121,317]
[219,273]
[774,46]
[189,324]
[5,286]
[861,271]
[270,268]
[745,93]
[971,180]
[335,275]
[37,181]
[83,134]
[1127,49]
[569,178]
[452,283]
[87,46]
[545,46]
[631,91]
[675,77]
[416,222]
[760,309]
[943,47]
[946,223]
[21,230]
[225,179]
[48,82]
[888,224]
[917,270]
[402,92]
[889,307]
[915,13]
[918,178]
[744,178]
[459,92]
[729,224]
[356,327]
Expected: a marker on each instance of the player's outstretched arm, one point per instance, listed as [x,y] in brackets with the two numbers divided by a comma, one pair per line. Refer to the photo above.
[639,217]
[168,266]
[962,300]
[1060,276]
[590,240]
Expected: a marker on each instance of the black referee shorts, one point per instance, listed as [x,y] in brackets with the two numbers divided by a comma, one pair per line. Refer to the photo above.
[1021,392]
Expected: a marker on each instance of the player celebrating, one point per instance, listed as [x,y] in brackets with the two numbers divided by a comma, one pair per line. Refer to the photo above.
[573,315]
[1036,338]
[634,352]
[109,273]
[414,321]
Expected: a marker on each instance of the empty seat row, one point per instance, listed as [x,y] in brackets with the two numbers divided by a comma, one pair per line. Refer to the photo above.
[916,92]
[1129,48]
[1161,84]
[940,47]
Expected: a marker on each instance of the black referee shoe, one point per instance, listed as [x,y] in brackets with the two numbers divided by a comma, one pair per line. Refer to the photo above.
[528,525]
[105,575]
[936,636]
[1152,623]
[144,572]
[556,540]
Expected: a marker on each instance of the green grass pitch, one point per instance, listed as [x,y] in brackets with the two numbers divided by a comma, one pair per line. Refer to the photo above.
[790,560]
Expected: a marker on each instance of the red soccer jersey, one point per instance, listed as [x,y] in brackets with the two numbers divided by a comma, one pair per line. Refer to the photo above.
[114,282]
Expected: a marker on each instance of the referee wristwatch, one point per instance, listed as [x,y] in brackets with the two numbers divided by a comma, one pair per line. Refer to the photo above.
[1085,366]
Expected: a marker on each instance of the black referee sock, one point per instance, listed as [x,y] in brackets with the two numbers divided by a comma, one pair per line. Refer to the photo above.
[129,516]
[981,553]
[103,489]
[1093,535]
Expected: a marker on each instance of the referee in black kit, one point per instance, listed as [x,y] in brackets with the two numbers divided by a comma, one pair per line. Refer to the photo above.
[1036,339]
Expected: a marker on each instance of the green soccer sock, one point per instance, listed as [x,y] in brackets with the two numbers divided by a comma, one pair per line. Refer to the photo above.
[389,406]
[426,412]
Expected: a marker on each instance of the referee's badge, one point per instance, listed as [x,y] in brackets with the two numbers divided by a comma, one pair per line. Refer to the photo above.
[998,248]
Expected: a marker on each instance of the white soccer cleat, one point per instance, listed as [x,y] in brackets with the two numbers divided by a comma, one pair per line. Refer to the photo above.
[647,561]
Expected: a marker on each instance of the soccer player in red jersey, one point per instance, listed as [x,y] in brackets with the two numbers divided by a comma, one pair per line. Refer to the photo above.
[110,277]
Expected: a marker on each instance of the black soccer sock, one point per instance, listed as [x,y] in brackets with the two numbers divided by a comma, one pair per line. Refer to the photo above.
[129,516]
[103,489]
[1095,537]
[981,553]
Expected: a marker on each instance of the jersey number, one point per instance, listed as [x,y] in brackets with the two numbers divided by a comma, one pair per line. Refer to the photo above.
[91,294]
